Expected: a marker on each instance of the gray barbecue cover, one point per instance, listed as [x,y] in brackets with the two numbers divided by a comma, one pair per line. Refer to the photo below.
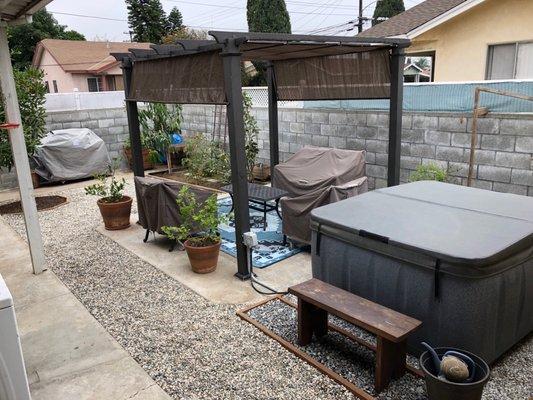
[69,154]
[156,202]
[315,176]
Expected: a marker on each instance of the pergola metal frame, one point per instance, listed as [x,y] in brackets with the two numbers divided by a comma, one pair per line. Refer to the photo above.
[229,44]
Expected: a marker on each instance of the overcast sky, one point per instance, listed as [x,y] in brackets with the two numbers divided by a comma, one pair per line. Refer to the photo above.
[307,16]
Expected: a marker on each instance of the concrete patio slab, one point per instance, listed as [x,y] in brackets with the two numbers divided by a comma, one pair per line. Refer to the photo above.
[68,354]
[220,286]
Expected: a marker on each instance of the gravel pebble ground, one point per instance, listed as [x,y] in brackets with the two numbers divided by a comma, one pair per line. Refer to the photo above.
[195,349]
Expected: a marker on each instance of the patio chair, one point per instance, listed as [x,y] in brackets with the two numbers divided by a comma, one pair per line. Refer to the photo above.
[156,203]
[316,176]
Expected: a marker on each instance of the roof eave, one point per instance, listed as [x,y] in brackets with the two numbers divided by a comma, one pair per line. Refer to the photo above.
[442,18]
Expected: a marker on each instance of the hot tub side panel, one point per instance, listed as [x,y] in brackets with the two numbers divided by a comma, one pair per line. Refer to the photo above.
[484,315]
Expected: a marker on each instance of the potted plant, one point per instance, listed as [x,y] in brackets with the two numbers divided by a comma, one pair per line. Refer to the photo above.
[147,163]
[114,206]
[198,230]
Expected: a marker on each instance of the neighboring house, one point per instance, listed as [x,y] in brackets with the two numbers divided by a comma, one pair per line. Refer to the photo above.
[468,40]
[413,73]
[83,66]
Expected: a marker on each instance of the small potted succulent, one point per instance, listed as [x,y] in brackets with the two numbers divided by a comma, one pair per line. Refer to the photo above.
[114,206]
[198,230]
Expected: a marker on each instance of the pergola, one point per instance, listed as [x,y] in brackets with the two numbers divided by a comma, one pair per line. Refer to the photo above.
[16,12]
[299,67]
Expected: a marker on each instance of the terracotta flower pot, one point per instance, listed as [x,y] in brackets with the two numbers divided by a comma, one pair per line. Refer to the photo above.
[116,215]
[147,164]
[203,259]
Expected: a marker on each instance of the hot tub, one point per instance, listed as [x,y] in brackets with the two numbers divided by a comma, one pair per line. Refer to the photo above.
[459,259]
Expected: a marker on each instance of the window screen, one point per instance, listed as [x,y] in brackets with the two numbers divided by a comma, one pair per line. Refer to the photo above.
[524,66]
[510,61]
[92,84]
[55,86]
[501,61]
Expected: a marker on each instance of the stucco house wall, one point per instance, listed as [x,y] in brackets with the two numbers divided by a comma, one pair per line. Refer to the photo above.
[461,44]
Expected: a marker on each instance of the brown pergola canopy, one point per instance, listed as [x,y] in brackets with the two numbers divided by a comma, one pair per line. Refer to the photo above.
[319,68]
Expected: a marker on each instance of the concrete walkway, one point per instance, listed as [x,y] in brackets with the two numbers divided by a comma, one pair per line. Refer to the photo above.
[68,354]
[216,285]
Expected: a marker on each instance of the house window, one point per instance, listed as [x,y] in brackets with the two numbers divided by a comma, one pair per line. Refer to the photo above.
[47,86]
[55,86]
[94,84]
[510,61]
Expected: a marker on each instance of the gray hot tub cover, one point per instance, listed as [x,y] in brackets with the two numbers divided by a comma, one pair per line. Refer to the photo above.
[69,154]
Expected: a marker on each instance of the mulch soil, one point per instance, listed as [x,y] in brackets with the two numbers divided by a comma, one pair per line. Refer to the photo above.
[43,203]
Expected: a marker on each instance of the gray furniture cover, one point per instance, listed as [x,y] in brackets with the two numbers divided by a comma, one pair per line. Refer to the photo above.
[315,176]
[156,202]
[69,154]
[459,259]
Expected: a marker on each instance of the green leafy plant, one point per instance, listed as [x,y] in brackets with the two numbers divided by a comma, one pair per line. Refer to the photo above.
[429,172]
[158,121]
[109,190]
[205,159]
[251,131]
[31,95]
[199,221]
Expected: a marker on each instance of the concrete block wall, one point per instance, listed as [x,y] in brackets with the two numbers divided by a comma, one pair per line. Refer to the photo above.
[503,155]
[110,124]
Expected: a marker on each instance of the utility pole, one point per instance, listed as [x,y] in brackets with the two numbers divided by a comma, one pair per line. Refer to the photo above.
[360,19]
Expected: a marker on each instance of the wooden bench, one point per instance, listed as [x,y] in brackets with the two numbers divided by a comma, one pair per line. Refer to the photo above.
[316,299]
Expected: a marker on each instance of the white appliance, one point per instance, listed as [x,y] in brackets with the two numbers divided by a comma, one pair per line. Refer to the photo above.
[13,380]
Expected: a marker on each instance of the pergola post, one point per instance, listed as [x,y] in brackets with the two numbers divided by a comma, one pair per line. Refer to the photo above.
[395,116]
[239,179]
[272,118]
[133,121]
[20,155]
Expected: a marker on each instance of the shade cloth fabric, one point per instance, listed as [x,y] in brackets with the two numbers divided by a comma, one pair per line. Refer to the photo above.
[199,78]
[188,79]
[459,259]
[69,154]
[297,210]
[362,75]
[156,202]
[315,176]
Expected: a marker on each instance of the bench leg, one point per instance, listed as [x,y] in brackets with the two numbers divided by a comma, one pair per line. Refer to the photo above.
[310,319]
[390,362]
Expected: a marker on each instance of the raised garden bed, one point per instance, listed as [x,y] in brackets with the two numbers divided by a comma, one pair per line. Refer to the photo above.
[43,203]
[181,175]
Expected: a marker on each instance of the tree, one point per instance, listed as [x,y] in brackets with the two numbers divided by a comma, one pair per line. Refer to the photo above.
[24,38]
[269,16]
[387,9]
[147,20]
[31,95]
[185,33]
[175,20]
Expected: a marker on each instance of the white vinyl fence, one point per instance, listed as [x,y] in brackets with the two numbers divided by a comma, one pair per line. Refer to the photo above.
[104,100]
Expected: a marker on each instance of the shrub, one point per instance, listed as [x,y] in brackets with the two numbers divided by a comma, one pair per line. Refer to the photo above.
[111,192]
[31,95]
[158,121]
[251,130]
[206,159]
[429,172]
[199,221]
